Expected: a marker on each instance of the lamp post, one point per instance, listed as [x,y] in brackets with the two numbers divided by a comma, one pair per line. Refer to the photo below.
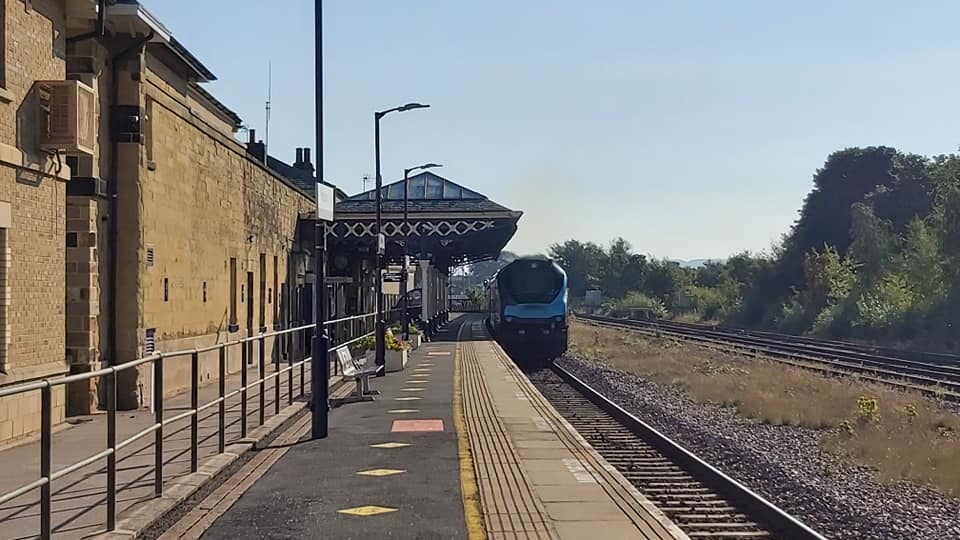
[319,365]
[403,273]
[381,328]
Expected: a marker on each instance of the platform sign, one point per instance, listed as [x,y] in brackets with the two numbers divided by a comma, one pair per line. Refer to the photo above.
[594,297]
[325,202]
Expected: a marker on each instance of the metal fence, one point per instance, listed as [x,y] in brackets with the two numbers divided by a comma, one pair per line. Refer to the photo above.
[287,344]
[463,305]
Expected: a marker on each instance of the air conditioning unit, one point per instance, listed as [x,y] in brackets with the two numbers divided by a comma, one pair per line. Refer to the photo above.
[66,113]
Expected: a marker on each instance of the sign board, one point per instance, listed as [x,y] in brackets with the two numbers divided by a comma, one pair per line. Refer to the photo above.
[381,243]
[392,277]
[325,202]
[593,297]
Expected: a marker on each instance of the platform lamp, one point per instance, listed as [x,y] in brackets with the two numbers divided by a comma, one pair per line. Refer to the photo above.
[381,328]
[406,233]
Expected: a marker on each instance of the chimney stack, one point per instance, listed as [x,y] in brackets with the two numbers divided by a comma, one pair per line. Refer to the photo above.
[303,160]
[255,148]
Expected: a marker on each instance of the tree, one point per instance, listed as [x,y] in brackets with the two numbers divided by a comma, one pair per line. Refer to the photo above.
[582,262]
[874,241]
[664,280]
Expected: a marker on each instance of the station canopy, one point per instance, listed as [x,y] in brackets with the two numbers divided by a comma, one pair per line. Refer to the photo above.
[448,223]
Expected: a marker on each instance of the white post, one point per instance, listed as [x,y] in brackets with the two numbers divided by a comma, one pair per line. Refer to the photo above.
[425,292]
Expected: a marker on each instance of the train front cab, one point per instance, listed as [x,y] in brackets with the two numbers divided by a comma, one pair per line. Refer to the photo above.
[543,337]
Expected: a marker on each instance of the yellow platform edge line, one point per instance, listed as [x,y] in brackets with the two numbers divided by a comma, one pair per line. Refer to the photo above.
[469,491]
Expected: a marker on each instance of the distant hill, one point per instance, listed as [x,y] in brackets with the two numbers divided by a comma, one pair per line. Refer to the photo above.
[697,263]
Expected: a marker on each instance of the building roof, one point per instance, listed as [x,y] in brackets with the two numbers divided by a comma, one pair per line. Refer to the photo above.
[218,105]
[427,192]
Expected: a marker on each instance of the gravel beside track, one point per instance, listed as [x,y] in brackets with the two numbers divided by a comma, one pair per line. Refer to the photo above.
[783,463]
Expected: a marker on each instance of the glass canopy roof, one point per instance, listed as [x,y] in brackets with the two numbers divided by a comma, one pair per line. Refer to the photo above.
[425,186]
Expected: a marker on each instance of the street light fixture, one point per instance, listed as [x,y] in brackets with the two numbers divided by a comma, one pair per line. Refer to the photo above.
[406,237]
[381,328]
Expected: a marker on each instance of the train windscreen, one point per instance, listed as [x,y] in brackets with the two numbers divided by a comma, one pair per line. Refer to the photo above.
[531,282]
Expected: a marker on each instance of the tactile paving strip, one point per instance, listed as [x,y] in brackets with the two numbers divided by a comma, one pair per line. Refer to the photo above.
[510,508]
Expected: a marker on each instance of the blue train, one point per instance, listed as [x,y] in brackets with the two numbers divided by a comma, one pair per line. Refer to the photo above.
[527,309]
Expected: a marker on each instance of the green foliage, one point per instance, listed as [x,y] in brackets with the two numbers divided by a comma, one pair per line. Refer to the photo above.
[636,300]
[716,302]
[582,262]
[885,305]
[665,279]
[874,254]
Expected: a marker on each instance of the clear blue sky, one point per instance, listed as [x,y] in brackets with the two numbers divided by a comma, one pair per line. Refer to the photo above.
[691,128]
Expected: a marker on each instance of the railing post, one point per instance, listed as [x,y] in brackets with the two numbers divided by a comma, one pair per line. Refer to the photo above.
[245,353]
[222,409]
[111,383]
[46,458]
[158,420]
[303,372]
[262,367]
[194,404]
[276,378]
[285,338]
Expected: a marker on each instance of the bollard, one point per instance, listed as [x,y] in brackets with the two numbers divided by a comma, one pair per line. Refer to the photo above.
[319,385]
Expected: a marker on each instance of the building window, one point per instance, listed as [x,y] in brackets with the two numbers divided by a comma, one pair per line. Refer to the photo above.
[166,289]
[4,298]
[233,295]
[204,292]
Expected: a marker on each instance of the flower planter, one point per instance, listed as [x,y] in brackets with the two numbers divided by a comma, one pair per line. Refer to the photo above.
[415,341]
[395,360]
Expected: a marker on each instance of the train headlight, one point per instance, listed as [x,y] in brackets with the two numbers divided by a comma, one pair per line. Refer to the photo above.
[558,318]
[508,319]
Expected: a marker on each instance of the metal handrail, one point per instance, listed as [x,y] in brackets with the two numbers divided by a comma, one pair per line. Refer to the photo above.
[45,386]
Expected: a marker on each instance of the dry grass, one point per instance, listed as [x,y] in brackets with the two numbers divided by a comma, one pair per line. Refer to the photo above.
[899,433]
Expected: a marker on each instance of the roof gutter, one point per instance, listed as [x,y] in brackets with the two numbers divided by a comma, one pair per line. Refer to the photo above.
[140,13]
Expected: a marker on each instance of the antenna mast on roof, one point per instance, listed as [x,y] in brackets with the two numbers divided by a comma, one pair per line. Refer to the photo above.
[266,134]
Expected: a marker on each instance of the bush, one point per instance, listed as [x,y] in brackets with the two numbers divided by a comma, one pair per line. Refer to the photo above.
[411,328]
[394,343]
[636,300]
[365,344]
[714,303]
[885,305]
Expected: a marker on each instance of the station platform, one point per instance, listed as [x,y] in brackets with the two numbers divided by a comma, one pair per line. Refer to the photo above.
[457,445]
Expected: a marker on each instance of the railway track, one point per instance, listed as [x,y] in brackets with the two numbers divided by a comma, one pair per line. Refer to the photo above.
[932,374]
[702,501]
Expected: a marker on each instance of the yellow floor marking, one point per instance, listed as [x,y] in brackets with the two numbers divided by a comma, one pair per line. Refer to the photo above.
[414,389]
[366,510]
[381,472]
[402,411]
[408,398]
[468,480]
[390,445]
